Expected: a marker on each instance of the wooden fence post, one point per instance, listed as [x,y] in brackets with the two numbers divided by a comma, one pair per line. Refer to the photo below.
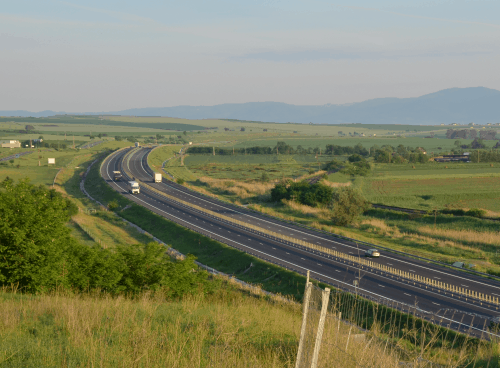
[321,325]
[305,310]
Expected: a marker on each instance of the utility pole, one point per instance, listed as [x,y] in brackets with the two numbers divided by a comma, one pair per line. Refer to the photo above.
[214,150]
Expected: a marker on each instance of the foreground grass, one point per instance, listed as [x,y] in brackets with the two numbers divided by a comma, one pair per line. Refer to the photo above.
[229,329]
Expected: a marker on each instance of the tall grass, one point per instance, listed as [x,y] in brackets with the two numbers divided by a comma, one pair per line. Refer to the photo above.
[229,329]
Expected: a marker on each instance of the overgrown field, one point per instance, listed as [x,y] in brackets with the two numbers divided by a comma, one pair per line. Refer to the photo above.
[230,329]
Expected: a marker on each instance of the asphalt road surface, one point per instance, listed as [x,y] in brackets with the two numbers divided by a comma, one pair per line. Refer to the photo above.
[456,312]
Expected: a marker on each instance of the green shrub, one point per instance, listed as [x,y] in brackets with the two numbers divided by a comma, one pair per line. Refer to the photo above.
[113,205]
[475,212]
[347,205]
[180,181]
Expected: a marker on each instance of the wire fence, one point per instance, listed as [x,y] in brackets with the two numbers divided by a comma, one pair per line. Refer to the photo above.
[341,329]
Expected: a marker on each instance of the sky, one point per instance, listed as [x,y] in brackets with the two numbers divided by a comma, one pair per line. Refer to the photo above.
[110,55]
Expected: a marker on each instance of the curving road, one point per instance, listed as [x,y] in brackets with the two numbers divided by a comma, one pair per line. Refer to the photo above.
[465,315]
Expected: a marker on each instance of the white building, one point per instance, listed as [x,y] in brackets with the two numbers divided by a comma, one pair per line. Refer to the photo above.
[11,144]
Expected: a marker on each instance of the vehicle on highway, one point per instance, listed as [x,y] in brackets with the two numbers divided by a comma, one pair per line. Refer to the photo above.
[158,177]
[372,253]
[117,175]
[133,187]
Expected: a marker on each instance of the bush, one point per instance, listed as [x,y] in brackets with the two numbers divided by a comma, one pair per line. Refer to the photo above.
[475,212]
[347,205]
[303,192]
[180,181]
[113,205]
[454,212]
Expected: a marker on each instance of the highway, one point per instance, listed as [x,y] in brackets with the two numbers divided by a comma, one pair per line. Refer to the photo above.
[466,315]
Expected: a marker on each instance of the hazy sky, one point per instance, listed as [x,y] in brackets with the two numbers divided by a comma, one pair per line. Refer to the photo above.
[110,55]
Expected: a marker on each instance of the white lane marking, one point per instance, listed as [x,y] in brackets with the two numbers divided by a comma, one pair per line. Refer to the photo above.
[437,277]
[273,247]
[436,303]
[496,294]
[319,264]
[302,258]
[412,271]
[287,253]
[381,285]
[406,294]
[338,270]
[390,264]
[261,244]
[467,286]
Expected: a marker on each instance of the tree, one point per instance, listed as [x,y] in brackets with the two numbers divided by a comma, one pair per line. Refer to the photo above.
[185,133]
[347,204]
[118,138]
[355,158]
[265,177]
[382,156]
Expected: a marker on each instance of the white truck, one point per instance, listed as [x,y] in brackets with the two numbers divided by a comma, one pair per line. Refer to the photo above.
[133,187]
[158,178]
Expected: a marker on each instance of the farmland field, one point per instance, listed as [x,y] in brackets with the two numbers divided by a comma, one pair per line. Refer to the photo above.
[251,167]
[44,174]
[434,185]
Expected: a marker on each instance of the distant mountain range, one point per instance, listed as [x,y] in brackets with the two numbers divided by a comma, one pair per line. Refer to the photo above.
[455,105]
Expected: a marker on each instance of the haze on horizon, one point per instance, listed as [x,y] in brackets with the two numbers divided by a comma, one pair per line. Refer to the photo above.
[114,55]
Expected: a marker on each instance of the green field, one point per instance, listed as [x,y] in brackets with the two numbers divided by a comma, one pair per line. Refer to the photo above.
[251,167]
[434,185]
[44,174]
